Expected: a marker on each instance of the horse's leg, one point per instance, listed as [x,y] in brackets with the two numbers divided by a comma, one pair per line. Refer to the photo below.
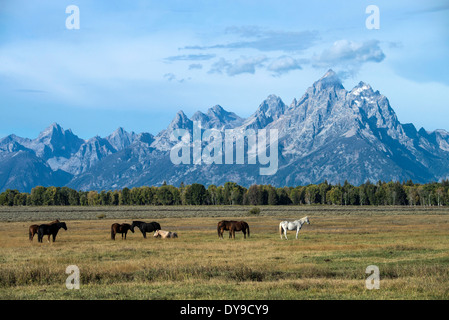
[144,234]
[285,233]
[54,236]
[48,239]
[297,231]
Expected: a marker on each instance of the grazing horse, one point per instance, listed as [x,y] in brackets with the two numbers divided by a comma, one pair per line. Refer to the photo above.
[232,227]
[224,226]
[165,234]
[145,227]
[33,230]
[50,229]
[120,228]
[292,225]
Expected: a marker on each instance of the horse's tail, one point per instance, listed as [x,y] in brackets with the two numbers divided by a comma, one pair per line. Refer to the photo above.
[219,229]
[112,233]
[280,229]
[30,234]
[247,226]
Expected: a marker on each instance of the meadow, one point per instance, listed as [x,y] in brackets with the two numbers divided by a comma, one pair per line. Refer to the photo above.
[328,261]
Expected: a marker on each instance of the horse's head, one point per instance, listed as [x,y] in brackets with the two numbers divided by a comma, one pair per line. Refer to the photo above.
[63,225]
[307,220]
[127,226]
[134,224]
[156,234]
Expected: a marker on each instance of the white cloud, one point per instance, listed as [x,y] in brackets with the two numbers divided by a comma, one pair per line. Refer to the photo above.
[349,55]
[283,65]
[172,77]
[238,66]
[195,66]
[265,40]
[190,57]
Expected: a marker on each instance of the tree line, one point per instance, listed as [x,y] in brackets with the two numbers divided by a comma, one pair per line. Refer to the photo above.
[380,193]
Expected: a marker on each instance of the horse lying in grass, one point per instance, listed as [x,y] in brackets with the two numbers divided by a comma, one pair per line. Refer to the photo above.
[49,229]
[33,230]
[165,234]
[292,225]
[120,228]
[232,227]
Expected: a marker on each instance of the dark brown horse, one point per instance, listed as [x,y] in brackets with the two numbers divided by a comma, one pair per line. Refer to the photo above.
[50,229]
[120,228]
[223,226]
[145,227]
[232,227]
[33,230]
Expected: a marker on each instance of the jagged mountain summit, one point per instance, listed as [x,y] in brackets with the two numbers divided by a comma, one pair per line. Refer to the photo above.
[330,134]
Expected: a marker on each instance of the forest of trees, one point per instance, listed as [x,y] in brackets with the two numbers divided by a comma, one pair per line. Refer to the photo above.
[380,193]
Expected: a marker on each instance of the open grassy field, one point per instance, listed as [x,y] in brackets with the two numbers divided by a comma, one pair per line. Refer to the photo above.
[328,261]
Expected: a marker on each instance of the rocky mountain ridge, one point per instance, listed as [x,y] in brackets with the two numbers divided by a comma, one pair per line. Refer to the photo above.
[329,133]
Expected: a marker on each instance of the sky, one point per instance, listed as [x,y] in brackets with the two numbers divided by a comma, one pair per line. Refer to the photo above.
[134,64]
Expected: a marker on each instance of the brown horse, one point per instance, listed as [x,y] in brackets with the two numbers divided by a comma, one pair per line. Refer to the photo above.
[222,226]
[33,230]
[50,229]
[232,227]
[120,228]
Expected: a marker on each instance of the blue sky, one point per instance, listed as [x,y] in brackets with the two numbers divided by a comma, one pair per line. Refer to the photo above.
[134,64]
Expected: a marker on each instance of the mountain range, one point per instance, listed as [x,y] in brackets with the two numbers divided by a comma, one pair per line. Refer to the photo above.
[330,134]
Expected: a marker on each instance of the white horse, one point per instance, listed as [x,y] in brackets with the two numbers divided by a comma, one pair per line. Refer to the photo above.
[292,225]
[164,234]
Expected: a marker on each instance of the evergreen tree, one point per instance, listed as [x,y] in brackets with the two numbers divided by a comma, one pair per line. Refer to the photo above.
[196,194]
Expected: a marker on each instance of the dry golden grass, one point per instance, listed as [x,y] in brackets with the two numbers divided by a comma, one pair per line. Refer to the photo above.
[328,260]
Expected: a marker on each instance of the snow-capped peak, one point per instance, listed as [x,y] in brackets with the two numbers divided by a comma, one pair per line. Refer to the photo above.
[361,87]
